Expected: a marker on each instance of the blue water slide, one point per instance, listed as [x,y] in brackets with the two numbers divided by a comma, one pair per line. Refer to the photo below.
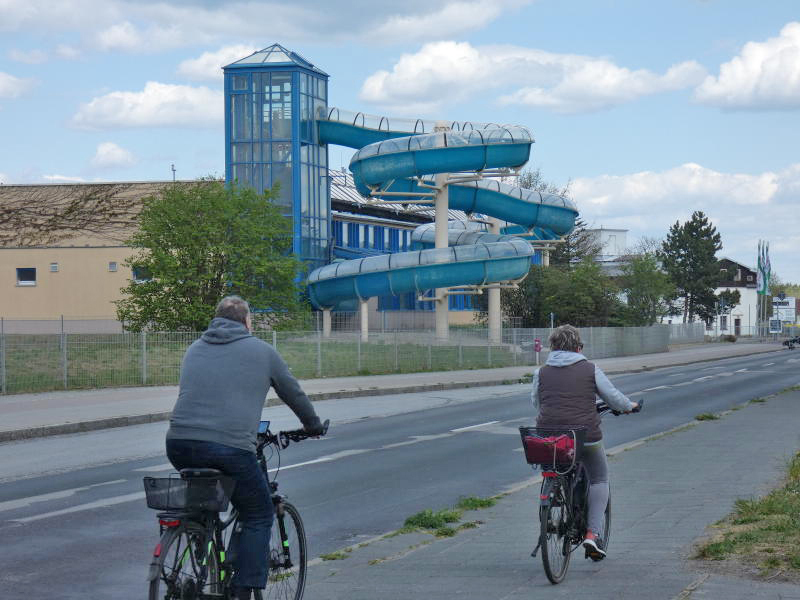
[401,160]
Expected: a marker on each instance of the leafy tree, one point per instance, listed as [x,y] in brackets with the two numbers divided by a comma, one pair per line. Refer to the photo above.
[201,241]
[647,288]
[578,245]
[689,258]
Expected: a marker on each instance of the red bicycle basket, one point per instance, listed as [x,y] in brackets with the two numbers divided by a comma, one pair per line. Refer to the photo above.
[551,447]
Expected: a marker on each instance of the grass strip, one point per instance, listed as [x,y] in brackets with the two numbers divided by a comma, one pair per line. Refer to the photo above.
[764,532]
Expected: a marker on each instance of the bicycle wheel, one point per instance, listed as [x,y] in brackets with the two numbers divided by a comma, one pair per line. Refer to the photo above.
[186,565]
[287,555]
[556,547]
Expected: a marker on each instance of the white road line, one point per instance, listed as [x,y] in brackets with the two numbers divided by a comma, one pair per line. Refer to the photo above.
[164,467]
[23,502]
[677,374]
[768,364]
[658,387]
[473,426]
[81,507]
[302,464]
[631,395]
[740,370]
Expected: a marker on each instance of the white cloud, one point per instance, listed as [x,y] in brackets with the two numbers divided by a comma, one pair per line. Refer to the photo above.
[31,57]
[765,75]
[127,25]
[110,155]
[62,179]
[158,105]
[12,87]
[208,66]
[744,207]
[452,71]
[4,178]
[451,19]
[67,52]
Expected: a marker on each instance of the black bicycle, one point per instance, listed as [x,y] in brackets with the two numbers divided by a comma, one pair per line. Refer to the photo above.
[564,496]
[193,559]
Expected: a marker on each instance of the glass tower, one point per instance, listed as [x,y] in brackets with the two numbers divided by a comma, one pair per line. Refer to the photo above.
[272,100]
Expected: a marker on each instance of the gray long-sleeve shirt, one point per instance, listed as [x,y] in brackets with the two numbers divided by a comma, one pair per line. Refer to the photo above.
[225,377]
[605,389]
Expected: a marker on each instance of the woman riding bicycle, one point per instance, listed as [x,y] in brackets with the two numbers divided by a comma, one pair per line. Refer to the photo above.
[563,395]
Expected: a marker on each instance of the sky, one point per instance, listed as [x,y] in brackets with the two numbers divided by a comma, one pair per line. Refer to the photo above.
[650,110]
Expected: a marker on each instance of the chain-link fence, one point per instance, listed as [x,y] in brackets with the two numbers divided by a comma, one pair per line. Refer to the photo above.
[41,362]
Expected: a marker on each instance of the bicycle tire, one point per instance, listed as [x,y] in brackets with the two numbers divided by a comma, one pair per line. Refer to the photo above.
[554,531]
[187,565]
[287,573]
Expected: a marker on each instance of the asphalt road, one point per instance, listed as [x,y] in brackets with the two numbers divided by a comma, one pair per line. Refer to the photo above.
[73,522]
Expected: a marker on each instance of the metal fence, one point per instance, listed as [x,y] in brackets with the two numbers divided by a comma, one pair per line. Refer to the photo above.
[686,333]
[47,361]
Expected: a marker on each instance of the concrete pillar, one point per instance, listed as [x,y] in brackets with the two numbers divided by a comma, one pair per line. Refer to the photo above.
[326,322]
[495,313]
[441,241]
[364,309]
[545,257]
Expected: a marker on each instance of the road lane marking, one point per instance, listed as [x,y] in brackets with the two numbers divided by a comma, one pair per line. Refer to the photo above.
[164,467]
[741,370]
[768,364]
[81,507]
[474,426]
[677,374]
[23,502]
[658,387]
[303,464]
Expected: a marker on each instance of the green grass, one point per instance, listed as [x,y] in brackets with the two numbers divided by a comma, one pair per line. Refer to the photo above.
[339,555]
[758,400]
[429,519]
[475,503]
[764,532]
[706,417]
[36,362]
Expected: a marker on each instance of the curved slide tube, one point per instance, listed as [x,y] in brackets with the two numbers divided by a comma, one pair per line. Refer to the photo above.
[394,161]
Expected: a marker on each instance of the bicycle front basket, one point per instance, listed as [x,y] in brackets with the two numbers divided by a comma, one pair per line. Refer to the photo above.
[194,494]
[554,449]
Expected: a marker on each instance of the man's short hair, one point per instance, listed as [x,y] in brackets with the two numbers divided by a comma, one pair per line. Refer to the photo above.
[566,337]
[233,308]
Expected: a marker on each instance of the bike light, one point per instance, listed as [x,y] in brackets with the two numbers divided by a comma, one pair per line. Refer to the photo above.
[169,522]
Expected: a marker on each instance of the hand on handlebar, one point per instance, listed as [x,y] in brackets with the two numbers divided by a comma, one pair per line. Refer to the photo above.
[317,429]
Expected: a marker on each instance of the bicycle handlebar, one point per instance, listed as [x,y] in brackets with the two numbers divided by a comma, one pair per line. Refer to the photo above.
[284,438]
[603,408]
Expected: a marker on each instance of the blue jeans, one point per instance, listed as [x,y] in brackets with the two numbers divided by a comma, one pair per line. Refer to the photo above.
[251,497]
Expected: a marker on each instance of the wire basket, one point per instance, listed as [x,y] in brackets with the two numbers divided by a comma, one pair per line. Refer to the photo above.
[193,494]
[552,449]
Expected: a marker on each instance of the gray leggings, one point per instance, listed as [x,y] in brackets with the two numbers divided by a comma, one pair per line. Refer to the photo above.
[594,457]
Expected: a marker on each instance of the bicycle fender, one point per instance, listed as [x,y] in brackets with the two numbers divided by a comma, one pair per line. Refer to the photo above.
[547,492]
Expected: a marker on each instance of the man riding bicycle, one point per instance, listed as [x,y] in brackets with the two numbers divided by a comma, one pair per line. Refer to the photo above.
[225,377]
[563,395]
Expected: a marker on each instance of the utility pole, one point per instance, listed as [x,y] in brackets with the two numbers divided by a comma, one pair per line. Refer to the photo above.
[172,166]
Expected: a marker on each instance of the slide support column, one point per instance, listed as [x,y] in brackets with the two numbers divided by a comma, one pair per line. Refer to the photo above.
[441,205]
[326,322]
[364,306]
[495,314]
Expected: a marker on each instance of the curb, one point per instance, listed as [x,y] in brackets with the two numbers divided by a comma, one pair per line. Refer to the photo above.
[28,433]
[16,435]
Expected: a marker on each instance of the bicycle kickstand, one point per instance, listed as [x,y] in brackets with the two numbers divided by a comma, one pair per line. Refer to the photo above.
[536,550]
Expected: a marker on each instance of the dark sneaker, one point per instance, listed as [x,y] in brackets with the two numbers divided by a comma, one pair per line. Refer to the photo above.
[593,548]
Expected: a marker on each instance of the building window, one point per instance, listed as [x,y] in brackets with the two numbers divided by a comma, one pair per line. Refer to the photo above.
[749,278]
[112,267]
[141,274]
[723,323]
[54,267]
[26,276]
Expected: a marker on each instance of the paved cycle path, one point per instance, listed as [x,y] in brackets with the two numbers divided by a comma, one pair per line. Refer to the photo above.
[665,492]
[24,416]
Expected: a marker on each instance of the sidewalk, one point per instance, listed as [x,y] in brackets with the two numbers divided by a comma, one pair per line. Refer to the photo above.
[665,492]
[25,416]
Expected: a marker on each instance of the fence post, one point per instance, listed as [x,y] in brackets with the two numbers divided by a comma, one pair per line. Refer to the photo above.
[144,357]
[359,353]
[396,353]
[64,352]
[319,353]
[2,356]
[489,351]
[430,356]
[514,344]
[275,339]
[460,355]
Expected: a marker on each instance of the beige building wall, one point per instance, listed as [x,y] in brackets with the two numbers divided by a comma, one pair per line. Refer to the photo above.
[84,284]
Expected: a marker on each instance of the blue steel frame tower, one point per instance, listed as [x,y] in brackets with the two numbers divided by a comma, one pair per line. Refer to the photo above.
[272,101]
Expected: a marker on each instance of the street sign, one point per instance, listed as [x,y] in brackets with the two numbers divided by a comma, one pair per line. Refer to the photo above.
[784,309]
[775,326]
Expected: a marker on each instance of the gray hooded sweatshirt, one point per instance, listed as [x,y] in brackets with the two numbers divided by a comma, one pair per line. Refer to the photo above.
[225,377]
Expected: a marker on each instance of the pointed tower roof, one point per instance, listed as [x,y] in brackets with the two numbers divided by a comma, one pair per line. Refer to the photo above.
[274,55]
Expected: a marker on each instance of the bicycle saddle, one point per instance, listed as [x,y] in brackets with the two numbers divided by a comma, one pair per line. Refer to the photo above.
[200,473]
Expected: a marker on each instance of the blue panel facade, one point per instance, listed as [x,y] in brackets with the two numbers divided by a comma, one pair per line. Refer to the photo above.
[271,101]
